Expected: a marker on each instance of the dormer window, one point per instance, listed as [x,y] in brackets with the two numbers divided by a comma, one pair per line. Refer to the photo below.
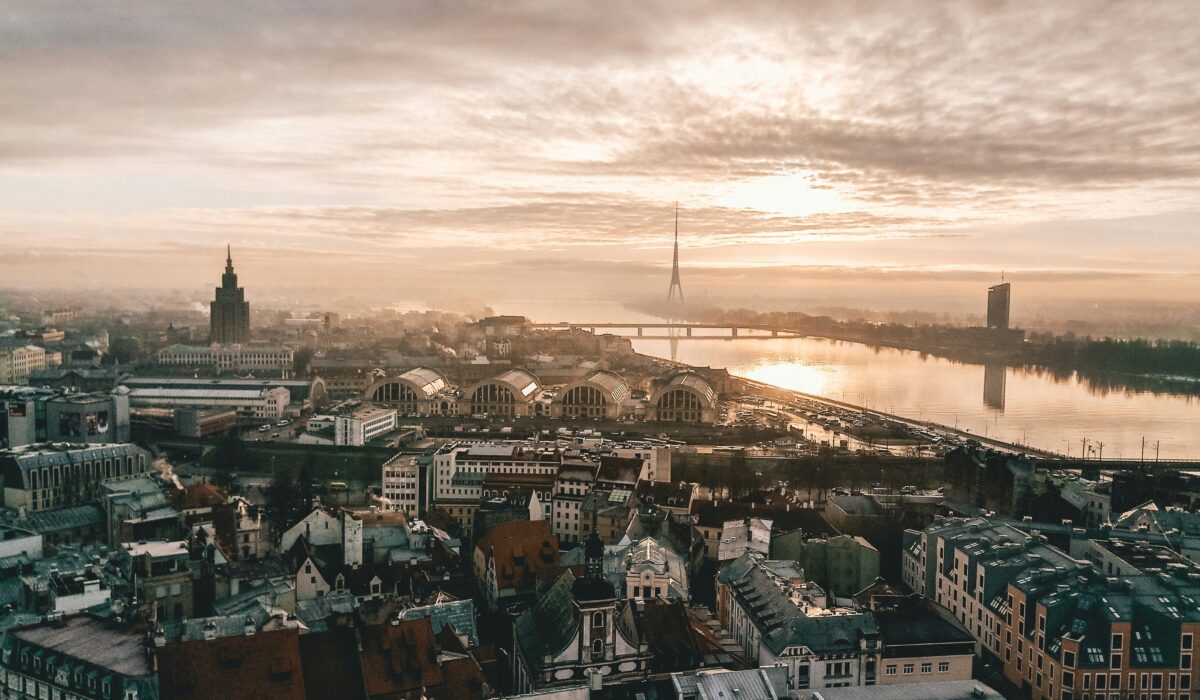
[597,619]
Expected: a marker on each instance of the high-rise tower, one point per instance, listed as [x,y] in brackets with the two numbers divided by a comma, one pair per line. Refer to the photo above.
[229,312]
[999,302]
[676,289]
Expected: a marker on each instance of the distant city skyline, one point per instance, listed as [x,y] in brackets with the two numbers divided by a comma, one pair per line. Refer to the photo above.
[864,150]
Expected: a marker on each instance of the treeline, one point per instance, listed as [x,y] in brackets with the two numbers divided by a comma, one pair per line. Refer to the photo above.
[1166,362]
[1133,356]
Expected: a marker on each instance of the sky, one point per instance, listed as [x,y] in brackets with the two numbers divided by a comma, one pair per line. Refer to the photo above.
[858,152]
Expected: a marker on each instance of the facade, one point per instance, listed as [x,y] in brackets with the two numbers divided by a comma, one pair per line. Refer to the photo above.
[15,541]
[599,395]
[999,302]
[1060,626]
[23,414]
[459,471]
[401,485]
[249,403]
[88,418]
[18,362]
[919,646]
[30,415]
[510,394]
[574,482]
[159,574]
[229,312]
[41,477]
[204,422]
[363,425]
[417,391]
[79,656]
[303,394]
[656,461]
[579,627]
[647,569]
[842,564]
[230,357]
[779,619]
[685,397]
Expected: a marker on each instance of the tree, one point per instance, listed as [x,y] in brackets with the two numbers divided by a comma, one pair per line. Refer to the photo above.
[229,456]
[306,486]
[124,350]
[284,500]
[300,360]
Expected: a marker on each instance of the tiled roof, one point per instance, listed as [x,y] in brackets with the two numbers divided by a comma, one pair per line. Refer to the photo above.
[399,659]
[262,665]
[331,665]
[520,548]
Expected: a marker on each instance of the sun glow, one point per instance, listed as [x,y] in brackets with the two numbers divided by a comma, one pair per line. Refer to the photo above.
[809,379]
[797,193]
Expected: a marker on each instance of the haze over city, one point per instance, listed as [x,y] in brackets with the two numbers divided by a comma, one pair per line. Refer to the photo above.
[877,155]
[610,350]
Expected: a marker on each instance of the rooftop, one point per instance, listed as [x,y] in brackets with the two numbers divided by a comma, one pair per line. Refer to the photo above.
[93,641]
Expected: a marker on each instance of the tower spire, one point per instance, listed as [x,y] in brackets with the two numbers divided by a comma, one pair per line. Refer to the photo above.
[676,288]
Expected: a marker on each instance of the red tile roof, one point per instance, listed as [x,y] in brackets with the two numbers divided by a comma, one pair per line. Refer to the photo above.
[520,549]
[262,665]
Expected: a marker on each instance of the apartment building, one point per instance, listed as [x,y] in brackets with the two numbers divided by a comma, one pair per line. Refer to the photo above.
[459,471]
[401,484]
[1063,628]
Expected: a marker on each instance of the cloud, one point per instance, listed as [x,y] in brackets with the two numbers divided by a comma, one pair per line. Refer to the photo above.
[383,130]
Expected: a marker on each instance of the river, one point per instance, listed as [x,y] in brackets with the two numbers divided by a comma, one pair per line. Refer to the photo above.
[1010,404]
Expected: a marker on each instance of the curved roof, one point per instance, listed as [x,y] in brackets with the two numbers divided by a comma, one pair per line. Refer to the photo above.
[425,381]
[610,384]
[692,381]
[523,383]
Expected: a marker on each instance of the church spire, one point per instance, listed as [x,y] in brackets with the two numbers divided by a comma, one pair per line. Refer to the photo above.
[228,258]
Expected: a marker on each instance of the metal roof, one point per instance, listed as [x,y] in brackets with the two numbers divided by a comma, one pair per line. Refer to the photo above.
[425,381]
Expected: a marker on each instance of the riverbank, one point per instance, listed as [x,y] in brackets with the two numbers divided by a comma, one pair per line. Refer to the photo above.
[1105,364]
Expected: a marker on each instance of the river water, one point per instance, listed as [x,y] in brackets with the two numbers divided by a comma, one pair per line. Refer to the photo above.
[1009,404]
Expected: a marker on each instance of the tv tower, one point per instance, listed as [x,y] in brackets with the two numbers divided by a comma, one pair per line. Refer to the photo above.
[676,288]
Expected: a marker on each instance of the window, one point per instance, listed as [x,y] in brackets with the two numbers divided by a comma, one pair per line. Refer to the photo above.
[1117,641]
[927,668]
[597,647]
[890,670]
[944,667]
[908,669]
[1186,643]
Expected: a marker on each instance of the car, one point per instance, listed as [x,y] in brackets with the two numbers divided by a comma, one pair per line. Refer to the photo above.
[274,435]
[264,428]
[282,422]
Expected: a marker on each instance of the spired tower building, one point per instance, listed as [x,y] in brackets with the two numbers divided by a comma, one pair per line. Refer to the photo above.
[229,317]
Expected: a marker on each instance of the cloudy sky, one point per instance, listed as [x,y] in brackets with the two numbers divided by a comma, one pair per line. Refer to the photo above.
[507,149]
